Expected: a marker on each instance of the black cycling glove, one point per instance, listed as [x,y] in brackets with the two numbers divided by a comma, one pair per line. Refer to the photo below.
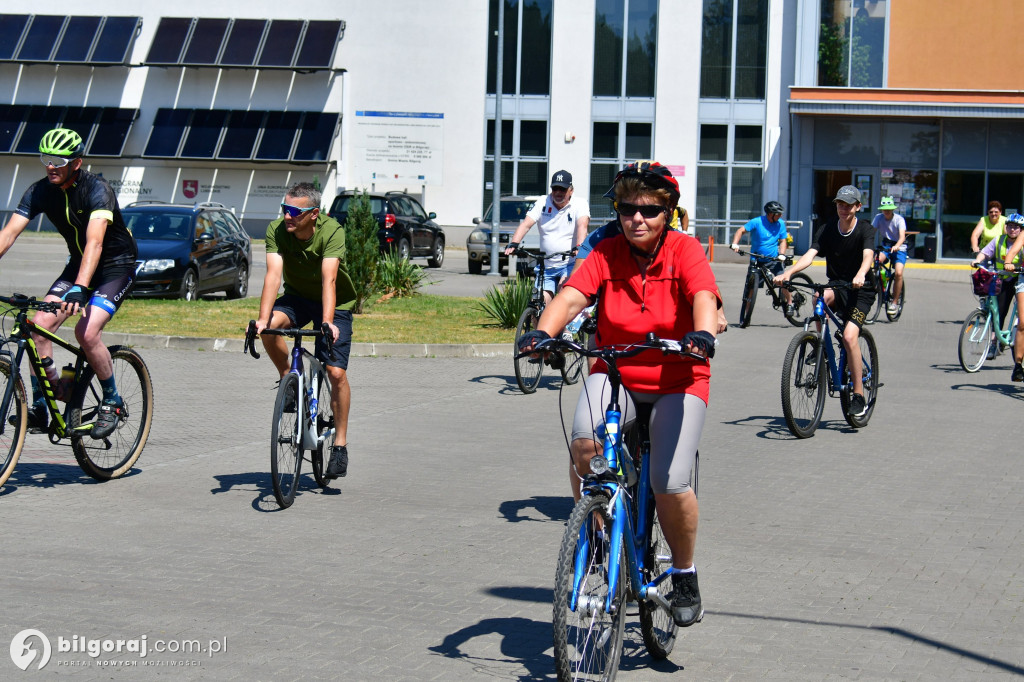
[702,341]
[77,294]
[531,338]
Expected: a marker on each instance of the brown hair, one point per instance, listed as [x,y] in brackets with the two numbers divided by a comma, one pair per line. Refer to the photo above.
[635,187]
[995,204]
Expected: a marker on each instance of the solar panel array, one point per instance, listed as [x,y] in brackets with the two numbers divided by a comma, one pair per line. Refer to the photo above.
[104,129]
[42,38]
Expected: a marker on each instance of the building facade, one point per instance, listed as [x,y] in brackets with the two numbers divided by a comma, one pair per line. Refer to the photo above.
[747,100]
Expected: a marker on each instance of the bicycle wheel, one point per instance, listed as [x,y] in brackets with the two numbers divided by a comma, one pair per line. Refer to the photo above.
[974,340]
[803,384]
[114,455]
[657,627]
[749,299]
[286,442]
[588,640]
[528,370]
[15,421]
[325,429]
[800,299]
[572,369]
[869,360]
[895,315]
[877,306]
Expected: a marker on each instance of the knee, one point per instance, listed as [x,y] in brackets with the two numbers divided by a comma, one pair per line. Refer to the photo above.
[87,336]
[582,449]
[338,377]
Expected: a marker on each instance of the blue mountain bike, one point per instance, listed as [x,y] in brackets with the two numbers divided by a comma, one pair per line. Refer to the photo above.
[596,578]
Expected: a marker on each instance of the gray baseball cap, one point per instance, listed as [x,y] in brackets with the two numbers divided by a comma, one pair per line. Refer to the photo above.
[848,194]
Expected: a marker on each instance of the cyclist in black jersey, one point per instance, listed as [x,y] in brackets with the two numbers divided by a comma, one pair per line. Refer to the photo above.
[99,272]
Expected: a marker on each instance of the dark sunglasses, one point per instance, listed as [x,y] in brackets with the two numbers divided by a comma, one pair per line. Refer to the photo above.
[646,210]
[294,211]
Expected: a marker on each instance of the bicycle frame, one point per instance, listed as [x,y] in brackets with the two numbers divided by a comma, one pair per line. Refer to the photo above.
[309,387]
[759,266]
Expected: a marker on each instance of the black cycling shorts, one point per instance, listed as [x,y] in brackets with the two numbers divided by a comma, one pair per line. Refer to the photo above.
[854,308]
[110,284]
[302,311]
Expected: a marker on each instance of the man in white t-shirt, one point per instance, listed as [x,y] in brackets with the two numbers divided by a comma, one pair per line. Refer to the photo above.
[562,221]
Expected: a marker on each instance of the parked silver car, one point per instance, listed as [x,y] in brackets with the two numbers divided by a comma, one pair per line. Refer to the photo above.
[478,244]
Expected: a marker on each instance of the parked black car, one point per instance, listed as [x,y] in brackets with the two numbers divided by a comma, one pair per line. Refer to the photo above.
[405,227]
[188,250]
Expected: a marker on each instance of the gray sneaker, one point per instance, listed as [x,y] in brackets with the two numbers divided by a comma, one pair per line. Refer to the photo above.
[858,407]
[685,598]
[338,466]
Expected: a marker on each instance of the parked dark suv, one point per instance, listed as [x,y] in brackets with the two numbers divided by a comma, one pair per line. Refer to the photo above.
[188,250]
[405,227]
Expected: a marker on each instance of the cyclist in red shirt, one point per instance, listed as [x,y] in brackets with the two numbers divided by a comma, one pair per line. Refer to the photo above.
[651,279]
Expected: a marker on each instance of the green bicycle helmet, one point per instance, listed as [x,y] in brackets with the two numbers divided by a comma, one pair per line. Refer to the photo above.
[62,142]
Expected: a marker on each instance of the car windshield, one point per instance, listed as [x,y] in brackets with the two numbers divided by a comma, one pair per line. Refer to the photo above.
[341,205]
[512,211]
[165,226]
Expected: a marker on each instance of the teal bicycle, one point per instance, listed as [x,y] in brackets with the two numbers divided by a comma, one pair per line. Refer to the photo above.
[981,328]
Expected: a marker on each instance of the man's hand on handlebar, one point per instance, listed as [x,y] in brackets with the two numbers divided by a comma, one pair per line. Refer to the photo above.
[511,248]
[699,342]
[734,247]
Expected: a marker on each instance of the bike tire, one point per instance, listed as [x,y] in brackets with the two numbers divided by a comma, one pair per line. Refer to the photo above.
[899,304]
[657,627]
[572,368]
[587,641]
[13,438]
[115,455]
[321,455]
[972,346]
[286,442]
[869,360]
[803,384]
[528,370]
[799,300]
[748,300]
[876,307]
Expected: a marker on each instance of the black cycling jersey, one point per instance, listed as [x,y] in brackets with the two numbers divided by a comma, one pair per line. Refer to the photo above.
[71,210]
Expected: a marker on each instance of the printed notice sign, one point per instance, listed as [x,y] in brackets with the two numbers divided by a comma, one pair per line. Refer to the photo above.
[398,146]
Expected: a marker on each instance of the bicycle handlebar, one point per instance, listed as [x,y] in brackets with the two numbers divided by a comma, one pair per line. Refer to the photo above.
[612,353]
[523,253]
[788,260]
[249,346]
[838,285]
[24,302]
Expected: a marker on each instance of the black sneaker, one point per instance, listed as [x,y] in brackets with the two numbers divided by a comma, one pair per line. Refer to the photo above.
[1018,375]
[38,419]
[110,415]
[338,466]
[858,408]
[993,351]
[685,598]
[789,310]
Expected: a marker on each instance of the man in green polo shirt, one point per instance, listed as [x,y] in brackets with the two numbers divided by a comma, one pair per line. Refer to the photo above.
[306,248]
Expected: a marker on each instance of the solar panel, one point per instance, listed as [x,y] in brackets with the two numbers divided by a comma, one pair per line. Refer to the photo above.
[240,137]
[243,42]
[282,39]
[205,43]
[318,44]
[278,135]
[112,131]
[38,119]
[115,39]
[11,116]
[315,136]
[168,129]
[204,133]
[41,38]
[12,26]
[169,40]
[79,36]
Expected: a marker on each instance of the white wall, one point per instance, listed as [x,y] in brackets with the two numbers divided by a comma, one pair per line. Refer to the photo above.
[572,85]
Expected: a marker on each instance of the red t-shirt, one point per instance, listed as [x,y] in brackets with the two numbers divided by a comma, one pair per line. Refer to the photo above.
[632,305]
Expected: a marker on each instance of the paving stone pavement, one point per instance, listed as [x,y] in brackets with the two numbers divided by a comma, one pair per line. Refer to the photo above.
[888,553]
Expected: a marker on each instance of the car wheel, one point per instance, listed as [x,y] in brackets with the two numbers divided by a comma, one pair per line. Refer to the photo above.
[403,249]
[436,260]
[475,267]
[189,286]
[240,287]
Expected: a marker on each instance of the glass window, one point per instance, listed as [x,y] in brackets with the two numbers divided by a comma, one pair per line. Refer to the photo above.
[638,140]
[963,203]
[642,48]
[169,40]
[11,28]
[846,143]
[220,225]
[315,136]
[746,193]
[964,143]
[1006,142]
[506,181]
[116,37]
[168,130]
[318,44]
[910,144]
[1008,189]
[278,135]
[207,37]
[41,39]
[282,39]
[710,197]
[606,140]
[747,146]
[112,131]
[415,209]
[37,121]
[204,133]
[506,137]
[77,40]
[609,26]
[535,67]
[243,42]
[509,47]
[240,136]
[532,177]
[716,49]
[851,43]
[533,138]
[751,48]
[714,142]
[601,177]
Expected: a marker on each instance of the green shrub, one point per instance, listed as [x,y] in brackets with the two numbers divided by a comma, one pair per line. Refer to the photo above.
[507,301]
[398,277]
[362,249]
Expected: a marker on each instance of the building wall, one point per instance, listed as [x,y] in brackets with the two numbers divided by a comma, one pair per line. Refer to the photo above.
[952,44]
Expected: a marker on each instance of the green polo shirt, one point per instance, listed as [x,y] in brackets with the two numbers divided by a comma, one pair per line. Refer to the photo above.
[303,260]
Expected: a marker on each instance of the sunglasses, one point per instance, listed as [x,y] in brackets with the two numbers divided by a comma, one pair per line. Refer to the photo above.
[55,161]
[646,210]
[294,211]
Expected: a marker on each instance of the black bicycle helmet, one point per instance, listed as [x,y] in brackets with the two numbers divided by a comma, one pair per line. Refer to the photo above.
[773,207]
[652,173]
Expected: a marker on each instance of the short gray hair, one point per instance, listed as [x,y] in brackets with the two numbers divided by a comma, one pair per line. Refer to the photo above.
[305,190]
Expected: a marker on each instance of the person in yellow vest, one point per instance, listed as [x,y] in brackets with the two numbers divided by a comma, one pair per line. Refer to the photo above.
[989,227]
[996,251]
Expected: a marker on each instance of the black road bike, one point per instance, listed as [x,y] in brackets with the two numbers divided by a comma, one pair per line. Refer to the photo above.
[760,271]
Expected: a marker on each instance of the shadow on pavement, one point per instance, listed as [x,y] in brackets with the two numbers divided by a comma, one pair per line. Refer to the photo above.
[49,475]
[1005,388]
[523,640]
[551,507]
[260,482]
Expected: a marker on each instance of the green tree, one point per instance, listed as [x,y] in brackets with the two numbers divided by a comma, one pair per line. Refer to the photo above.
[362,249]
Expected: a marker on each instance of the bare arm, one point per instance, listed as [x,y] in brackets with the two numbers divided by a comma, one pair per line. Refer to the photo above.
[329,297]
[582,227]
[271,285]
[705,312]
[804,262]
[865,265]
[562,309]
[976,235]
[15,226]
[94,233]
[1012,252]
[520,232]
[736,238]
